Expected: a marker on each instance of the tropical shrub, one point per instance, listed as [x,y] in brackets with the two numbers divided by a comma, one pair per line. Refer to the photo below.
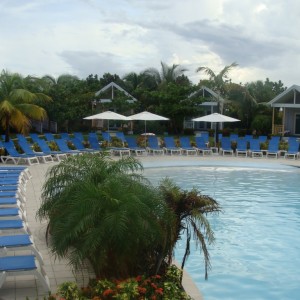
[105,211]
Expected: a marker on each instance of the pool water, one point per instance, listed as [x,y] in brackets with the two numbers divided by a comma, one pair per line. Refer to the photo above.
[256,254]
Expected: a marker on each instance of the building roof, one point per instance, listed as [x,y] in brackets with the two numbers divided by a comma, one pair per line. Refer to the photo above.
[289,98]
[206,92]
[113,85]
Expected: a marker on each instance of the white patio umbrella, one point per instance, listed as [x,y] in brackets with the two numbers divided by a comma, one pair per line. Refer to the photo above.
[215,118]
[147,116]
[108,115]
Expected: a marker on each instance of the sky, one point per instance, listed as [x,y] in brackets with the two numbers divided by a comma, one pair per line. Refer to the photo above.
[82,37]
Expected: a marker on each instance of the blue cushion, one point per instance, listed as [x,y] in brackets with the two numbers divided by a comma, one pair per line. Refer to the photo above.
[20,240]
[9,211]
[17,263]
[11,224]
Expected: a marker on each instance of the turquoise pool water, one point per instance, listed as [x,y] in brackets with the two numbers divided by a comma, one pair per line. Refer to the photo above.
[257,250]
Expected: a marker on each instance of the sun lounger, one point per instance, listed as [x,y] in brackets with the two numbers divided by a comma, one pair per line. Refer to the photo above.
[254,148]
[293,149]
[106,137]
[170,146]
[121,137]
[22,265]
[62,145]
[273,148]
[226,146]
[133,146]
[44,157]
[19,242]
[15,156]
[185,145]
[201,146]
[58,155]
[49,136]
[13,224]
[79,146]
[64,136]
[78,135]
[153,146]
[233,137]
[242,148]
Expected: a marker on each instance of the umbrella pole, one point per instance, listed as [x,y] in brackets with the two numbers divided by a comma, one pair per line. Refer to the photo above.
[145,134]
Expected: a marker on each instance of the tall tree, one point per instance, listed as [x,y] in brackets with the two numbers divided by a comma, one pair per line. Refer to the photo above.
[219,80]
[265,91]
[72,99]
[190,209]
[18,105]
[167,73]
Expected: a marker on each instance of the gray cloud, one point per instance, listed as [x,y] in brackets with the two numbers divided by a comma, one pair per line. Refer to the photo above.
[84,63]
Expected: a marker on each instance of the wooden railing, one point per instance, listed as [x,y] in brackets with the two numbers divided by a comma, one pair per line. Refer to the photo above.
[277,130]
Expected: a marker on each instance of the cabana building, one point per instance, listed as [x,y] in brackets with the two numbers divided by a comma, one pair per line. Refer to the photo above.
[287,103]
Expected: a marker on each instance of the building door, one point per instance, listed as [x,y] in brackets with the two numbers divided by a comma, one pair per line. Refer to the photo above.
[297,124]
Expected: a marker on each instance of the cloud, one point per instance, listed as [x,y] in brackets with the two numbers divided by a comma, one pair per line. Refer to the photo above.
[84,36]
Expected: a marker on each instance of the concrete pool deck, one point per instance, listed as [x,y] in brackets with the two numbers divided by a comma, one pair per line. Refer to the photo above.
[58,271]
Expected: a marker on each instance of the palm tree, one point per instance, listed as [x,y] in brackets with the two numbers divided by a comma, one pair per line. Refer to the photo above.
[17,104]
[190,209]
[105,211]
[167,73]
[218,80]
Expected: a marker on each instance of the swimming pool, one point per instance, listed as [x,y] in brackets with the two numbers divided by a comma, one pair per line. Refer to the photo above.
[257,250]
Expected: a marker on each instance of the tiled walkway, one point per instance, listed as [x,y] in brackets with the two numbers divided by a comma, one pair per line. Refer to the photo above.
[20,287]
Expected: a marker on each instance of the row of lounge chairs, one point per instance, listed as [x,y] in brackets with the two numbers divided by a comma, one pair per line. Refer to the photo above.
[252,148]
[244,147]
[15,236]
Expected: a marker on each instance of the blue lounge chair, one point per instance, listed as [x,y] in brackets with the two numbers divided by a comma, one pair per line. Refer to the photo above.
[293,149]
[273,148]
[201,146]
[19,242]
[15,156]
[34,136]
[21,137]
[226,146]
[133,146]
[13,225]
[186,147]
[65,136]
[170,146]
[79,136]
[58,155]
[205,136]
[262,138]
[94,144]
[11,212]
[153,146]
[106,137]
[121,137]
[248,137]
[44,157]
[233,137]
[49,136]
[79,146]
[10,201]
[22,265]
[63,146]
[254,148]
[242,148]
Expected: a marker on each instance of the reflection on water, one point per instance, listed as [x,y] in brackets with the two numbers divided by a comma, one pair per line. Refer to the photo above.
[257,249]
